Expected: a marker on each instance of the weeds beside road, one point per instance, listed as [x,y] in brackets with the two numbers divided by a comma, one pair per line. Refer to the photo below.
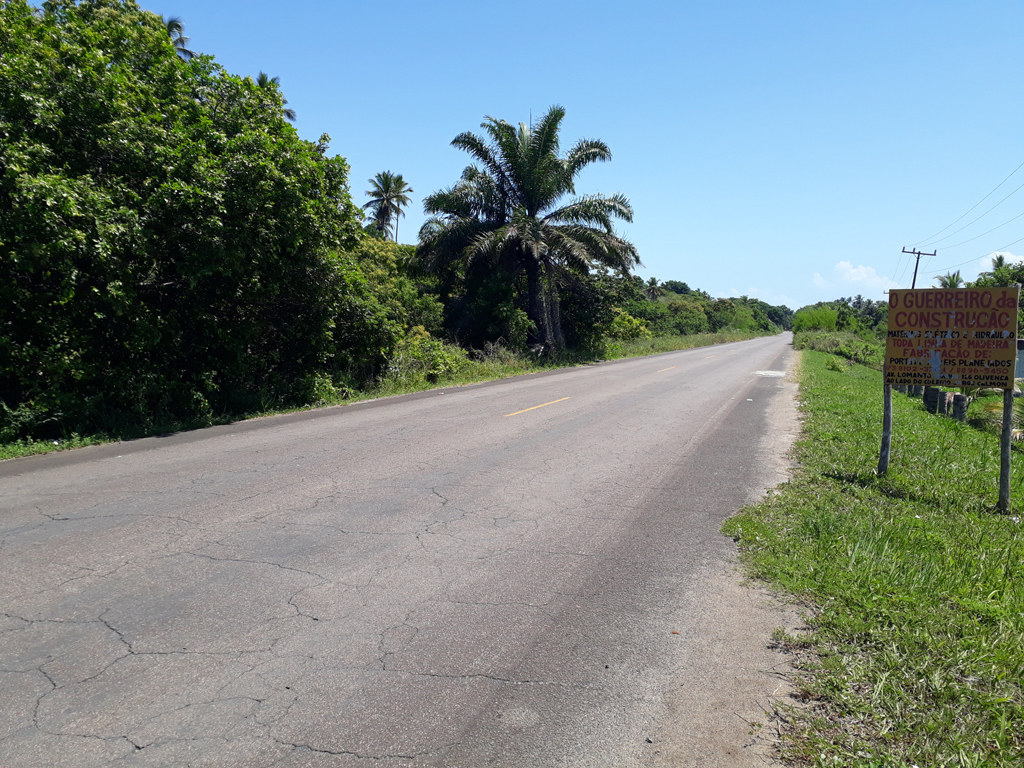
[915,653]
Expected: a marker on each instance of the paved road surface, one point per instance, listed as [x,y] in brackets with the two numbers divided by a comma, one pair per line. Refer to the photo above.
[523,573]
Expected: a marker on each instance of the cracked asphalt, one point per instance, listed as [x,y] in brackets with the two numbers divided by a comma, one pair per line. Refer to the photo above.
[419,581]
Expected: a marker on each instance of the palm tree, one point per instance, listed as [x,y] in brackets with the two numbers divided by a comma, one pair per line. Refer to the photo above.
[388,194]
[268,83]
[653,289]
[950,280]
[509,210]
[176,31]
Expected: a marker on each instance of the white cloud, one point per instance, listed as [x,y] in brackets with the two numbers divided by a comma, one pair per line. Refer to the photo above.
[819,281]
[769,297]
[985,263]
[864,277]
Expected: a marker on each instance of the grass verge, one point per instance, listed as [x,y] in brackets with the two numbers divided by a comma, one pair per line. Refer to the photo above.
[869,352]
[413,376]
[915,654]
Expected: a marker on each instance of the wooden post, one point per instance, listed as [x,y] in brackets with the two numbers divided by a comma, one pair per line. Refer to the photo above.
[1004,453]
[883,455]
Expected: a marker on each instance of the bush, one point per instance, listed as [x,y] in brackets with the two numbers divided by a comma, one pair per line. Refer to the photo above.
[420,357]
[815,319]
[625,327]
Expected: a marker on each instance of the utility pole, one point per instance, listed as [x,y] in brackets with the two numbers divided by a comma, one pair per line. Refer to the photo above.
[919,254]
[883,454]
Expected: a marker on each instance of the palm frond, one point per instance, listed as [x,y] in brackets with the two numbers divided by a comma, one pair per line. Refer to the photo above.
[176,32]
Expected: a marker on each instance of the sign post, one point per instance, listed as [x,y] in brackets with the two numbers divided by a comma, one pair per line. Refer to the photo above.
[961,337]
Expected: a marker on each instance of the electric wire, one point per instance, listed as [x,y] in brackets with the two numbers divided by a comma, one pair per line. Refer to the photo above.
[954,266]
[892,280]
[986,197]
[984,233]
[904,272]
[972,221]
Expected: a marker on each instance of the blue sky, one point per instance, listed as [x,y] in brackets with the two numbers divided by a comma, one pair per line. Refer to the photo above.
[783,150]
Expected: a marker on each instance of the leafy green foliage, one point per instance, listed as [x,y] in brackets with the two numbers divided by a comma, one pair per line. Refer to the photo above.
[420,357]
[856,314]
[869,352]
[625,327]
[917,586]
[815,319]
[167,242]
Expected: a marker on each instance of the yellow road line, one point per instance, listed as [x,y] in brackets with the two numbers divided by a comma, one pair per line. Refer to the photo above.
[534,408]
[666,369]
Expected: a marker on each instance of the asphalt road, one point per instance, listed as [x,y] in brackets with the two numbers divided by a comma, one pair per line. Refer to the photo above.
[522,573]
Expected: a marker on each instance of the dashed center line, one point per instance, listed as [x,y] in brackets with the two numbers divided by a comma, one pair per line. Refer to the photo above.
[534,408]
[667,369]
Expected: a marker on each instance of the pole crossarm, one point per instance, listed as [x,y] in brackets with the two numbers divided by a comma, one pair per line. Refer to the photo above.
[918,254]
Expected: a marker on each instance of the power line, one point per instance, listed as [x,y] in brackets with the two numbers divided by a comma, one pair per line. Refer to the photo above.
[892,280]
[986,213]
[986,197]
[904,272]
[985,233]
[997,250]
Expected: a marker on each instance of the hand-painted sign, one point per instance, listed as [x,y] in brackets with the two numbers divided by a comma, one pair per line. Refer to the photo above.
[963,337]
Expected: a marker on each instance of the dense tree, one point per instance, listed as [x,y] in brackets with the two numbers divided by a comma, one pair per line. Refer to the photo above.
[168,245]
[388,194]
[508,211]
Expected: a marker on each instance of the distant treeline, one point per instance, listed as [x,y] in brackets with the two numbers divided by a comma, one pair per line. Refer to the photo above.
[855,314]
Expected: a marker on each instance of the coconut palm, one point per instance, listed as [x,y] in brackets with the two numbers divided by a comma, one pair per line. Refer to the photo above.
[388,194]
[950,280]
[509,209]
[176,31]
[653,289]
[268,83]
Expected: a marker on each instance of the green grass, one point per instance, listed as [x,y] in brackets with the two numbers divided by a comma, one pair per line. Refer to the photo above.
[915,654]
[488,365]
[869,352]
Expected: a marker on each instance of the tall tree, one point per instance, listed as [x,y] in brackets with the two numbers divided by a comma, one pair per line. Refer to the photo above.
[510,209]
[950,280]
[176,31]
[388,194]
[268,83]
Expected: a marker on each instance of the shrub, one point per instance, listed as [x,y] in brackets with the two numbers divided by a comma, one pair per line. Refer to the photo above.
[419,356]
[815,319]
[625,327]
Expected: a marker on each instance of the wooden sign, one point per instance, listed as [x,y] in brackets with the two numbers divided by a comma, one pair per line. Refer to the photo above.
[963,337]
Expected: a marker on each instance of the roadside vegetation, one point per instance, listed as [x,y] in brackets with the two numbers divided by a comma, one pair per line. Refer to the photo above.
[914,587]
[174,255]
